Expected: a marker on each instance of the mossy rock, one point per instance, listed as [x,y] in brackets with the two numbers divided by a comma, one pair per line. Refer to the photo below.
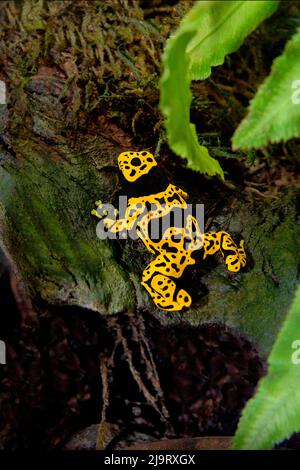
[257,300]
[59,155]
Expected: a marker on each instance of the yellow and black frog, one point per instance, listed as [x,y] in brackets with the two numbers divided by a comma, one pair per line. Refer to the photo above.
[173,244]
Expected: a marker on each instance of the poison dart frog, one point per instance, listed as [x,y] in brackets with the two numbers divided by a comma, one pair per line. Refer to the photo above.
[175,246]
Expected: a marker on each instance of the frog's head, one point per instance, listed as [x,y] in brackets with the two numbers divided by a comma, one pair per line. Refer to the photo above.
[136,164]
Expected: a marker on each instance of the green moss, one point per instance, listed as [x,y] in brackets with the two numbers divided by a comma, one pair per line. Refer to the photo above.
[53,237]
[32,15]
[102,50]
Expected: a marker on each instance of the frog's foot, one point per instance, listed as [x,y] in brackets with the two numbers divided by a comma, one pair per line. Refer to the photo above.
[183,300]
[165,294]
[234,256]
[100,213]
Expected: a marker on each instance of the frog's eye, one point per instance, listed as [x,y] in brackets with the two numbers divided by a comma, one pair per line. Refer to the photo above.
[136,164]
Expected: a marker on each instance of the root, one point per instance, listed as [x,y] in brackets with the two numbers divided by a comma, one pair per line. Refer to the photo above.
[147,379]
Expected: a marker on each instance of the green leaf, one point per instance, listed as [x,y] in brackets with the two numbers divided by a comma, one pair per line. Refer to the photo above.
[274,113]
[274,413]
[208,32]
[223,28]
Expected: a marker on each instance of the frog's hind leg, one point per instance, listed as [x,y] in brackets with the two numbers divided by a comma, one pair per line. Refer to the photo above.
[157,279]
[165,293]
[176,249]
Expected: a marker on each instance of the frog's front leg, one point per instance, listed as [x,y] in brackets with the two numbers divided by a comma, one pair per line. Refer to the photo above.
[113,222]
[110,219]
[175,196]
